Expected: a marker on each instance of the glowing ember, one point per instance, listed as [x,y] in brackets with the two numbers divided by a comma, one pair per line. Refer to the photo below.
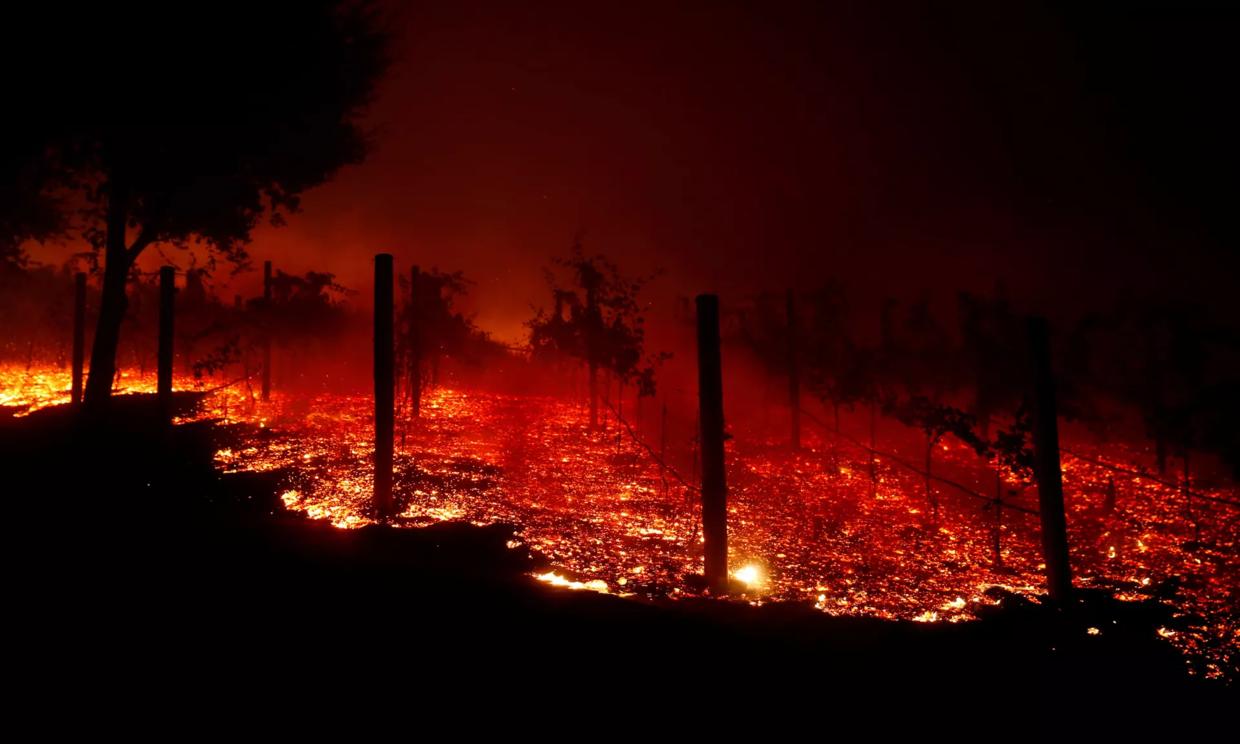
[607,517]
[750,575]
[553,578]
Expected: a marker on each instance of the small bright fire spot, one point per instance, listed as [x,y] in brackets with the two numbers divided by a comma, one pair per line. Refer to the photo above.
[750,575]
[554,579]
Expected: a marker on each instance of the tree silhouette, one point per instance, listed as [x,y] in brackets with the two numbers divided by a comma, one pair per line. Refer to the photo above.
[28,209]
[937,420]
[924,352]
[1173,364]
[187,125]
[432,327]
[837,369]
[597,319]
[992,354]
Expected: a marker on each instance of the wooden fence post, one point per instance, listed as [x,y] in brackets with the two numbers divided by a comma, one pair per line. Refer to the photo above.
[167,298]
[714,483]
[266,394]
[1047,468]
[385,385]
[79,335]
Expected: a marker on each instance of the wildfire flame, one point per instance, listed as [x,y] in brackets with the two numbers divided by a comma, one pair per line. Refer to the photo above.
[600,509]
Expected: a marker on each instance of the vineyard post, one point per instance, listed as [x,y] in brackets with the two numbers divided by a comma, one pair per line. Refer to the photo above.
[1047,468]
[266,393]
[385,385]
[79,334]
[714,484]
[167,297]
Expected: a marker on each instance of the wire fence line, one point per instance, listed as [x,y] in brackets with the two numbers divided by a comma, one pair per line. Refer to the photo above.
[910,466]
[894,458]
[1150,476]
[694,514]
[650,450]
[226,385]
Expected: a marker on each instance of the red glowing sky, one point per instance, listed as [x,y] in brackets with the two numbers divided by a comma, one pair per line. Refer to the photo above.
[743,147]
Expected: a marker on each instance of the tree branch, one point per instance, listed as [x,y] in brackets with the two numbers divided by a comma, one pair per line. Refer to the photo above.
[145,238]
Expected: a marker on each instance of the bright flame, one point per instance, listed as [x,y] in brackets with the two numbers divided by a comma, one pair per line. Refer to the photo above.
[601,508]
[554,579]
[750,575]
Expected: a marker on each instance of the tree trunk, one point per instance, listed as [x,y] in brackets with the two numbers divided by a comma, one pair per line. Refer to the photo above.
[112,302]
[112,306]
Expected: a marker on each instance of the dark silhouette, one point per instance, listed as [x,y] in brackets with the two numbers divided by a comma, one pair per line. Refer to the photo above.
[828,362]
[79,335]
[433,328]
[991,354]
[1173,364]
[167,299]
[385,384]
[414,316]
[794,376]
[28,208]
[699,136]
[266,388]
[604,326]
[1049,474]
[238,109]
[936,420]
[714,479]
[835,366]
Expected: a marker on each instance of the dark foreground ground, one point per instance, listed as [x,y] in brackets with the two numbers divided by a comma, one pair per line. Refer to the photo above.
[146,586]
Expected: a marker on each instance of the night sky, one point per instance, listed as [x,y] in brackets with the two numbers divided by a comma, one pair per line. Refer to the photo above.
[1071,154]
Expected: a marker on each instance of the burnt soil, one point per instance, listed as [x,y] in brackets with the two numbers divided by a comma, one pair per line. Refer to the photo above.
[141,573]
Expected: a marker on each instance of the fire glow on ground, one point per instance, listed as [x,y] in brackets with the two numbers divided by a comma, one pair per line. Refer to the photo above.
[809,527]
